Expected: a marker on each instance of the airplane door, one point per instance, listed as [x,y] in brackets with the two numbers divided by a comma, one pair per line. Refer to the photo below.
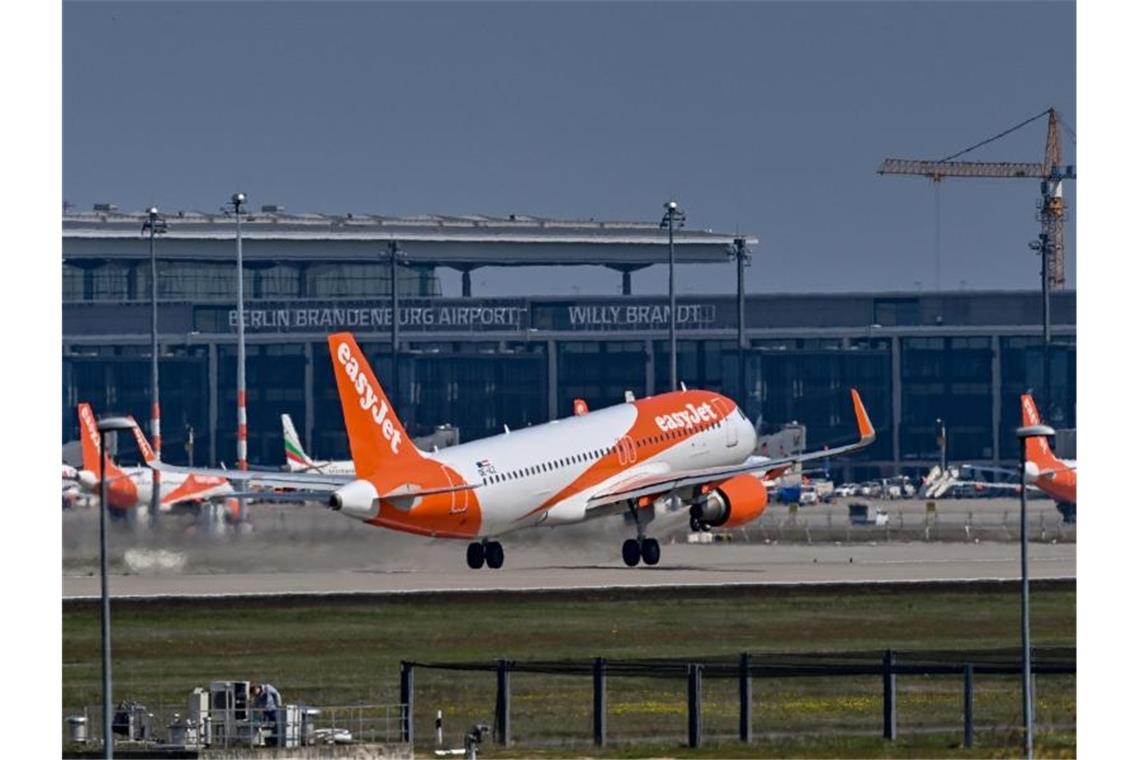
[732,436]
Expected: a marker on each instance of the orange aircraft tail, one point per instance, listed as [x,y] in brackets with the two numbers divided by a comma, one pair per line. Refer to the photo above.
[89,441]
[144,446]
[1037,447]
[375,436]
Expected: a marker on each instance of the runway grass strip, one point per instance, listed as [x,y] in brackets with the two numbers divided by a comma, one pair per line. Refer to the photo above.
[349,652]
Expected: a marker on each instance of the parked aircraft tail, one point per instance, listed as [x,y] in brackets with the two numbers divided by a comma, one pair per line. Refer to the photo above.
[296,460]
[1037,448]
[89,439]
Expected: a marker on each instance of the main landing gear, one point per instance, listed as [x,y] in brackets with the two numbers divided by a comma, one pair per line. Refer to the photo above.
[490,552]
[645,550]
[640,549]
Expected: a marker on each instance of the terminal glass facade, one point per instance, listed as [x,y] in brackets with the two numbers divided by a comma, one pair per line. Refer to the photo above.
[949,379]
[97,280]
[482,364]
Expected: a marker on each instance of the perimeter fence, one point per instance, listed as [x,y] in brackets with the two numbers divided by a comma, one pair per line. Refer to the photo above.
[738,696]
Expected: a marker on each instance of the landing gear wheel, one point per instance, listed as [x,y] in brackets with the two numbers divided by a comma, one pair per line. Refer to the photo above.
[631,552]
[493,551]
[475,556]
[650,551]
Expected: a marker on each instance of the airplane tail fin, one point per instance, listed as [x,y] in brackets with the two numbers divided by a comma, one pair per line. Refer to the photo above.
[1037,448]
[375,435]
[144,445]
[89,441]
[296,460]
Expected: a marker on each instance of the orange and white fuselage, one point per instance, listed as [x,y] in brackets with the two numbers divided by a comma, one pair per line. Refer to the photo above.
[545,474]
[130,488]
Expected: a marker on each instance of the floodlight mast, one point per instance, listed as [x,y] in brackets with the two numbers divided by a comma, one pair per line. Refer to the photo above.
[105,426]
[155,225]
[1023,435]
[237,202]
[674,218]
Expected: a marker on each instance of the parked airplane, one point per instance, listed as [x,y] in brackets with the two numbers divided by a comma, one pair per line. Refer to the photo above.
[685,452]
[130,488]
[296,460]
[1057,478]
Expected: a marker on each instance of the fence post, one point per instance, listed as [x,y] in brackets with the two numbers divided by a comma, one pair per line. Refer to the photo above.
[407,700]
[600,702]
[746,697]
[968,707]
[695,705]
[890,713]
[503,704]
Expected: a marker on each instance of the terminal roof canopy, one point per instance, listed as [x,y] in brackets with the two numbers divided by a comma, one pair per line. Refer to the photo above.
[459,241]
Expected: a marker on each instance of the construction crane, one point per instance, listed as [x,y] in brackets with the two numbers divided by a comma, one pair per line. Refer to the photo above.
[1050,243]
[1051,172]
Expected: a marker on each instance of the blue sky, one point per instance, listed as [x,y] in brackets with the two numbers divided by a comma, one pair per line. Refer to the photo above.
[765,118]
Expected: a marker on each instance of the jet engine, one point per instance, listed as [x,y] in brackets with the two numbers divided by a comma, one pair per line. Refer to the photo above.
[357,499]
[733,503]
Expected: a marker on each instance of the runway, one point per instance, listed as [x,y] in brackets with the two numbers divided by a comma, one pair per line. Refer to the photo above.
[440,568]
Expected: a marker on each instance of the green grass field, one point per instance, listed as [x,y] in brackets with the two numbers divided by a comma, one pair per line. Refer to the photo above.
[348,651]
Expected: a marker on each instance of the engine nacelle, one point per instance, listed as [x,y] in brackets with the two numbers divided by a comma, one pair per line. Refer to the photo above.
[358,499]
[733,503]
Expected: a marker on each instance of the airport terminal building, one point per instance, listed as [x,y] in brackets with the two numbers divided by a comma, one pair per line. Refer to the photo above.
[484,363]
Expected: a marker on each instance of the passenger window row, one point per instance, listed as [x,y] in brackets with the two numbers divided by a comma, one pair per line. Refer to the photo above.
[586,456]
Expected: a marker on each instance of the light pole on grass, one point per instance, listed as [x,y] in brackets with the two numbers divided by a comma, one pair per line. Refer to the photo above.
[1023,436]
[107,425]
[155,225]
[674,218]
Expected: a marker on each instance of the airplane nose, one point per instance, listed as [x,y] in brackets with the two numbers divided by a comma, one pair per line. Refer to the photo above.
[87,479]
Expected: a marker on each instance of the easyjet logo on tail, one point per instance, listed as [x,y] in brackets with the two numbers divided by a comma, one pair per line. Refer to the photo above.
[690,416]
[367,397]
[87,420]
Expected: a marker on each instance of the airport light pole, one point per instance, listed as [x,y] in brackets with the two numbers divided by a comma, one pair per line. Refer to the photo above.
[739,252]
[1044,245]
[942,441]
[237,202]
[394,256]
[108,425]
[155,225]
[1023,434]
[674,218]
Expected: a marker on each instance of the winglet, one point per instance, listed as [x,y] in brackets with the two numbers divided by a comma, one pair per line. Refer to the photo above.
[866,429]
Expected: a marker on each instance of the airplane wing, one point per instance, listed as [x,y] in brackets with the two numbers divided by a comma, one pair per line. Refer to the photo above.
[656,484]
[323,482]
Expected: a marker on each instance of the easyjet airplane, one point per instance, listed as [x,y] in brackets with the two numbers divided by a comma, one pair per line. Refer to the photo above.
[130,488]
[686,453]
[1055,477]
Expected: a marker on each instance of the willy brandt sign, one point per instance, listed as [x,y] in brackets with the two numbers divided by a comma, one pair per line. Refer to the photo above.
[422,315]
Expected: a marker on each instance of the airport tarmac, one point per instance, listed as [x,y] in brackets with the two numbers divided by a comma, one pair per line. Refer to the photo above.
[312,551]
